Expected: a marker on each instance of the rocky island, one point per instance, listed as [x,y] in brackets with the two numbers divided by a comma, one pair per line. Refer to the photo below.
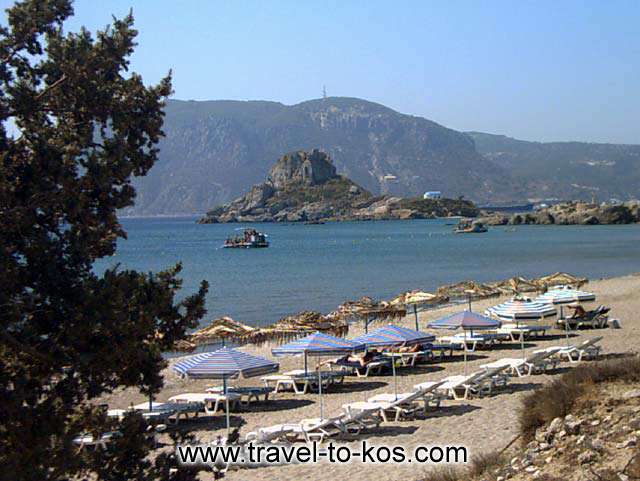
[572,213]
[305,187]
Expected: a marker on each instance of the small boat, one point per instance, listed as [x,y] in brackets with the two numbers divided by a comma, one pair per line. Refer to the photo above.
[467,226]
[249,240]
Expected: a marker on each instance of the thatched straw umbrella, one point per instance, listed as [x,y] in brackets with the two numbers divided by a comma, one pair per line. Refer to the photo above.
[416,298]
[559,278]
[298,325]
[515,285]
[467,289]
[370,310]
[223,329]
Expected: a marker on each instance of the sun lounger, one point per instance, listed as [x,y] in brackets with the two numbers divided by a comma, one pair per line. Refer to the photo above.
[247,394]
[357,419]
[406,358]
[441,350]
[472,342]
[519,333]
[537,362]
[160,412]
[270,433]
[211,402]
[375,366]
[597,318]
[316,430]
[327,377]
[588,349]
[406,404]
[87,440]
[300,382]
[282,382]
[361,414]
[479,384]
[312,430]
[434,395]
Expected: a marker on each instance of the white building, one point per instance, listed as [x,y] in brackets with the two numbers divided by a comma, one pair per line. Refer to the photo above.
[432,194]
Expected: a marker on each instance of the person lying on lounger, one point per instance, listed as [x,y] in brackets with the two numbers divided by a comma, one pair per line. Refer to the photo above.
[363,359]
[578,312]
[405,348]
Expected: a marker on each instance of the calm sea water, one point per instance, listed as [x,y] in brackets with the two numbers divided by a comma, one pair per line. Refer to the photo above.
[317,267]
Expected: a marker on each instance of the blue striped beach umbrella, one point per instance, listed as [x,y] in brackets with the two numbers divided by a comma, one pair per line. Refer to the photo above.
[468,321]
[317,344]
[521,308]
[392,335]
[225,363]
[565,295]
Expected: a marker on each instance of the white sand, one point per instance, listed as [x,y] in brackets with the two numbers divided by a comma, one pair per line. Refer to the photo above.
[480,424]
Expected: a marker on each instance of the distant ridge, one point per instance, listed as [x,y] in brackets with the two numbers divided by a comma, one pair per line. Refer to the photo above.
[214,151]
[566,170]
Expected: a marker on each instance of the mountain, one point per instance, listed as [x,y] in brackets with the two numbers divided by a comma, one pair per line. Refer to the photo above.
[305,186]
[566,170]
[214,151]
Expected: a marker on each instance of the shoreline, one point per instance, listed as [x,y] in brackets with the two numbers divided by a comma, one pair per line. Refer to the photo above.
[483,424]
[458,301]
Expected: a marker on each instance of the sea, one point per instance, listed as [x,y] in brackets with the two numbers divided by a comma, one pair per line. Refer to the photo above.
[318,267]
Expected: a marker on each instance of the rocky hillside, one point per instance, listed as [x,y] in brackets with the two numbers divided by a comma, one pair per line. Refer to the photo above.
[583,426]
[566,170]
[569,213]
[215,151]
[304,186]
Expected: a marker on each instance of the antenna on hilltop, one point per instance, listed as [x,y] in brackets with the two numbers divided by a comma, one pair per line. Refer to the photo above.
[324,92]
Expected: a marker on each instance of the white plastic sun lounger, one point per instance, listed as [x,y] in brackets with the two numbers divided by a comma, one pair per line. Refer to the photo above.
[537,362]
[472,342]
[247,394]
[317,430]
[480,383]
[163,411]
[516,333]
[405,404]
[270,433]
[282,382]
[211,401]
[355,420]
[87,440]
[310,430]
[372,367]
[300,382]
[588,349]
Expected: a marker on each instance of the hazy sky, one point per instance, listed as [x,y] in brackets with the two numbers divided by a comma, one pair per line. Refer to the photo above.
[543,70]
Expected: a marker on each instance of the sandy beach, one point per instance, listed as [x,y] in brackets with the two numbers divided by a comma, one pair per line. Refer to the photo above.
[480,424]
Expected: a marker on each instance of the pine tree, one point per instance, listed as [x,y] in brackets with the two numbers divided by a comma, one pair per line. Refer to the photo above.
[84,127]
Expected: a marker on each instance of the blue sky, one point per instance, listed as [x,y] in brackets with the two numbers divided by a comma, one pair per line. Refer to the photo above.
[543,70]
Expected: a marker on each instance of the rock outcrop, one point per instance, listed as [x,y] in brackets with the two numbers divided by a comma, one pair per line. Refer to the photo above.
[304,187]
[301,168]
[572,213]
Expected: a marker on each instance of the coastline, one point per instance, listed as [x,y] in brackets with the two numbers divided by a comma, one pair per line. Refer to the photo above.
[482,425]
